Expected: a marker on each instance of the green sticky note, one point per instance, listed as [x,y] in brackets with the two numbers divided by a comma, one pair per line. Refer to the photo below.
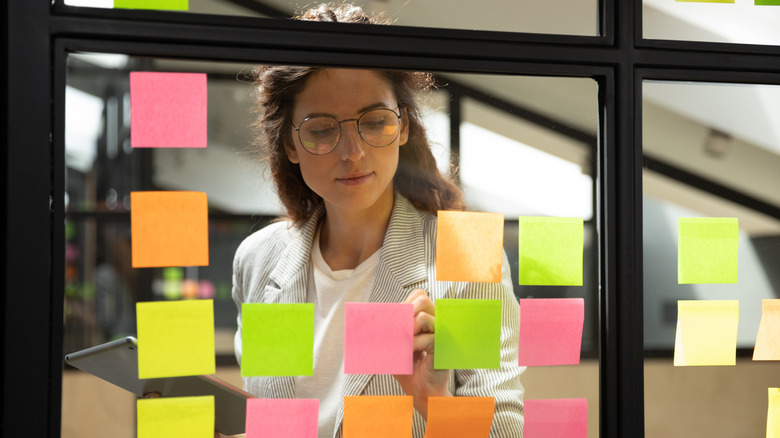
[277,339]
[707,250]
[550,251]
[169,5]
[175,338]
[467,334]
[767,2]
[705,1]
[176,417]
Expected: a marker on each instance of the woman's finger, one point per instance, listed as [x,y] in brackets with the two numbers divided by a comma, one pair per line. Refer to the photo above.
[423,323]
[424,342]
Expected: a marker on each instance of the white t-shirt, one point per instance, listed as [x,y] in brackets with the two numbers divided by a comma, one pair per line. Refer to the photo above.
[329,290]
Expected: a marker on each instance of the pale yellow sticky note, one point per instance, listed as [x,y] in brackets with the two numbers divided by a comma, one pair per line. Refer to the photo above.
[773,414]
[176,417]
[175,338]
[469,246]
[768,339]
[706,333]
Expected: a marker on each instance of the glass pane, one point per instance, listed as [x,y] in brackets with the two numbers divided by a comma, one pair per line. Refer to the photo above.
[742,21]
[555,178]
[513,165]
[528,16]
[712,151]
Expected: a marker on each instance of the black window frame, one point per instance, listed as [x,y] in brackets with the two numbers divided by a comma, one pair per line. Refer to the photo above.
[38,36]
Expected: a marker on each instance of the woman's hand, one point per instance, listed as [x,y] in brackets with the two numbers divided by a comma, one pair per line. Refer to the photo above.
[424,381]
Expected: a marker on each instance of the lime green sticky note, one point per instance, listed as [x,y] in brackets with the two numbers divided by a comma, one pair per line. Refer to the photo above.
[550,251]
[176,417]
[277,339]
[707,250]
[467,334]
[706,333]
[169,5]
[175,338]
[773,414]
[767,3]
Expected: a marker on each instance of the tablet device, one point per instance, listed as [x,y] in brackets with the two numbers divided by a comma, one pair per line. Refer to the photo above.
[117,362]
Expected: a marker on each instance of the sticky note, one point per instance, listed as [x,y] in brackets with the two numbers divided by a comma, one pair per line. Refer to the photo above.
[551,331]
[550,251]
[170,5]
[768,338]
[467,334]
[767,3]
[289,418]
[555,418]
[705,1]
[378,416]
[176,417]
[168,110]
[459,417]
[277,339]
[469,246]
[773,414]
[378,338]
[707,250]
[175,338]
[169,229]
[706,333]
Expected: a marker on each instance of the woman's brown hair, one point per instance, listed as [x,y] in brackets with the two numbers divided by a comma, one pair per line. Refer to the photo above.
[417,177]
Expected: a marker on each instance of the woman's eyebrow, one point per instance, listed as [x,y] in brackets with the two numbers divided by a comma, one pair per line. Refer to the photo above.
[361,110]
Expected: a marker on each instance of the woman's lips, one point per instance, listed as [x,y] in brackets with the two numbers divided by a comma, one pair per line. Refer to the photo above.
[355,179]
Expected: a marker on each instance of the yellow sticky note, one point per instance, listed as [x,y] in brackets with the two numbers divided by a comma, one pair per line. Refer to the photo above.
[707,250]
[469,246]
[175,338]
[768,339]
[773,414]
[169,229]
[706,333]
[176,417]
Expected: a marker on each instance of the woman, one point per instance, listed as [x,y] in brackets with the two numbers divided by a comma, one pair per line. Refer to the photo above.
[353,167]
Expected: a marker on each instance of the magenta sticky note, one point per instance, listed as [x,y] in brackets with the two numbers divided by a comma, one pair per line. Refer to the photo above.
[551,331]
[555,418]
[378,338]
[168,110]
[289,418]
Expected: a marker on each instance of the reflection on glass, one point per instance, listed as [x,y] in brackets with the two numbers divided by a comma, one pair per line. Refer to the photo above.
[564,17]
[712,151]
[741,22]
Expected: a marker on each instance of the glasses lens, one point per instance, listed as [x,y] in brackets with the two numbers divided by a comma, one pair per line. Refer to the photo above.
[379,127]
[319,135]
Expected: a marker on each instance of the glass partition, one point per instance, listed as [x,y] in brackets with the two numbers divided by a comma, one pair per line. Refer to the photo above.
[523,146]
[738,21]
[527,16]
[711,151]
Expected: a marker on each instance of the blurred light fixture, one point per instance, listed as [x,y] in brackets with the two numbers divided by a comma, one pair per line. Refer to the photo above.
[717,143]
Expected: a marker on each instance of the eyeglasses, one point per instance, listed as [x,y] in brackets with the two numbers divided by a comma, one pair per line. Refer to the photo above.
[321,134]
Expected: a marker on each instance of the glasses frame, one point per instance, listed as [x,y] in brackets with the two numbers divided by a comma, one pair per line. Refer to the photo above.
[398,114]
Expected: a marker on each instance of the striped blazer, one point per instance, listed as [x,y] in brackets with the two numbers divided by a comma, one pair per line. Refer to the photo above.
[271,266]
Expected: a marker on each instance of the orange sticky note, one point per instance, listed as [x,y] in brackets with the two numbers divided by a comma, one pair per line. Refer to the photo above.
[768,339]
[469,246]
[454,417]
[378,416]
[169,229]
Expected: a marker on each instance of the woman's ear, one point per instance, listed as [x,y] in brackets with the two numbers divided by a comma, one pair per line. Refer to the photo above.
[289,149]
[404,136]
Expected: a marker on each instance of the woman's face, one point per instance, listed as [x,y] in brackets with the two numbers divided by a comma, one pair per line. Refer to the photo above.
[355,175]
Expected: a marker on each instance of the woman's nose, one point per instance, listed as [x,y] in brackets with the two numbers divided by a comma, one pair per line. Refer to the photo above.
[352,146]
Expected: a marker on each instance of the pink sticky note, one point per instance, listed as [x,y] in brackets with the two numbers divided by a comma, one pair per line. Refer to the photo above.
[378,338]
[556,418]
[168,110]
[289,418]
[551,331]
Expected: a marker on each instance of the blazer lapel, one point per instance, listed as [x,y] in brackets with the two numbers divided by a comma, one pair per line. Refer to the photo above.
[402,268]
